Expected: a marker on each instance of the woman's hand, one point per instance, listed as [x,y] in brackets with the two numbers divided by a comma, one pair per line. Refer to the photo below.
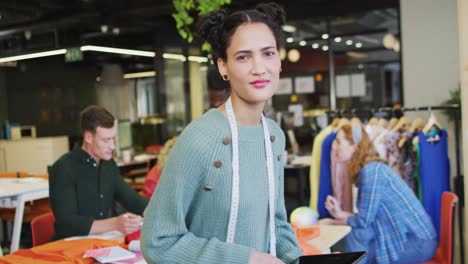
[334,208]
[262,258]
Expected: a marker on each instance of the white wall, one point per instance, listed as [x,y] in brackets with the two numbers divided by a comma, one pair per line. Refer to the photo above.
[429,39]
[430,58]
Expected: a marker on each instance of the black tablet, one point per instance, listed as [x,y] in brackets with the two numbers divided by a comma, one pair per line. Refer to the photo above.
[336,258]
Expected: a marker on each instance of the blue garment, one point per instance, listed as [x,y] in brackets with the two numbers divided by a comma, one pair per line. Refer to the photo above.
[434,173]
[389,207]
[416,250]
[325,186]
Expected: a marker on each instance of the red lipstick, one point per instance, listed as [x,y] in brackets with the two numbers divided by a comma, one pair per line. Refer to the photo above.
[260,83]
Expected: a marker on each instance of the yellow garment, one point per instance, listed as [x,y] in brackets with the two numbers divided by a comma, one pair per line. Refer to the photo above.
[314,176]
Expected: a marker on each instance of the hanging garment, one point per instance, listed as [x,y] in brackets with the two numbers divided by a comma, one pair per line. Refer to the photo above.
[408,161]
[325,185]
[314,174]
[341,181]
[379,144]
[435,172]
[393,153]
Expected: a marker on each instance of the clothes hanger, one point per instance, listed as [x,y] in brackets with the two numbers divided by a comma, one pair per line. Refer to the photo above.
[343,121]
[335,122]
[356,119]
[431,122]
[373,121]
[403,122]
[416,126]
[383,123]
[392,123]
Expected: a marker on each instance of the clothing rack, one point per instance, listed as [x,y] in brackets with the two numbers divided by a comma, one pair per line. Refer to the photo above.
[456,109]
[398,112]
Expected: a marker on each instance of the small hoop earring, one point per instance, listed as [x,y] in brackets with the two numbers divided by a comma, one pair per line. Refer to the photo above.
[225,77]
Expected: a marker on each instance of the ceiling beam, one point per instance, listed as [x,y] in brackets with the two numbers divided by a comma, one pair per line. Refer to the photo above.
[300,10]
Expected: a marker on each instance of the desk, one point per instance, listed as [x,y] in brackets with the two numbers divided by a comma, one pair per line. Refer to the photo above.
[329,235]
[14,193]
[137,167]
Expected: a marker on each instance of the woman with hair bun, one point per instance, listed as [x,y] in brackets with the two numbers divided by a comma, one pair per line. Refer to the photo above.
[391,225]
[220,198]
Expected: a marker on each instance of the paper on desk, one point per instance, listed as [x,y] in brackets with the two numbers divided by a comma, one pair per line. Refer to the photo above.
[138,259]
[112,235]
[110,254]
[98,252]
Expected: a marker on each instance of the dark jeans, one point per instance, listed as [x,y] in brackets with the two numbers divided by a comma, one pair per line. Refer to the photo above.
[415,249]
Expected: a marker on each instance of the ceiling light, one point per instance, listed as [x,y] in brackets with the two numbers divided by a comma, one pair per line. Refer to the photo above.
[325,48]
[396,46]
[104,28]
[294,55]
[116,31]
[388,41]
[356,55]
[282,53]
[173,56]
[119,51]
[302,43]
[289,40]
[27,34]
[139,74]
[289,28]
[325,36]
[338,39]
[349,42]
[358,45]
[34,55]
[315,46]
[198,59]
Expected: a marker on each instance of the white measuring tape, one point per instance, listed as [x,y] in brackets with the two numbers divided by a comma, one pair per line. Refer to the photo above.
[235,178]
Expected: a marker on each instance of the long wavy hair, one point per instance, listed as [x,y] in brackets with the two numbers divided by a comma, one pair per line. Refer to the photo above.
[365,152]
[165,152]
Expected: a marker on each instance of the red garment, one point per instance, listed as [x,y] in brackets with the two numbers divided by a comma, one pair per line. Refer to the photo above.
[305,234]
[152,179]
[133,236]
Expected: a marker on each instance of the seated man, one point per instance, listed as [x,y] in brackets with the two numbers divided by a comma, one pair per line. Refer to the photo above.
[84,183]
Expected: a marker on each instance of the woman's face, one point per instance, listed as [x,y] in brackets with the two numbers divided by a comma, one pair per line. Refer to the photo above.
[253,63]
[345,149]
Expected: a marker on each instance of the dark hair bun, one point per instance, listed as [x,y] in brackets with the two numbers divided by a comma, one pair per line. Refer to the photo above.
[211,26]
[273,11]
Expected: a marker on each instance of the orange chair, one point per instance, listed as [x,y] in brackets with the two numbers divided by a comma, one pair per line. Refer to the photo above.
[42,229]
[444,253]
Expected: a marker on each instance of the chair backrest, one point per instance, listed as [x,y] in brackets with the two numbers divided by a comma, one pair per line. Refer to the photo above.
[445,250]
[42,229]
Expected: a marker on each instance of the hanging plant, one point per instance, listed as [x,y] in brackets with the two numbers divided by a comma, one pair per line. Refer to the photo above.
[188,10]
[455,98]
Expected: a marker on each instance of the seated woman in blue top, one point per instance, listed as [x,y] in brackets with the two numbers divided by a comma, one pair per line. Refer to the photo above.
[391,225]
[220,198]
